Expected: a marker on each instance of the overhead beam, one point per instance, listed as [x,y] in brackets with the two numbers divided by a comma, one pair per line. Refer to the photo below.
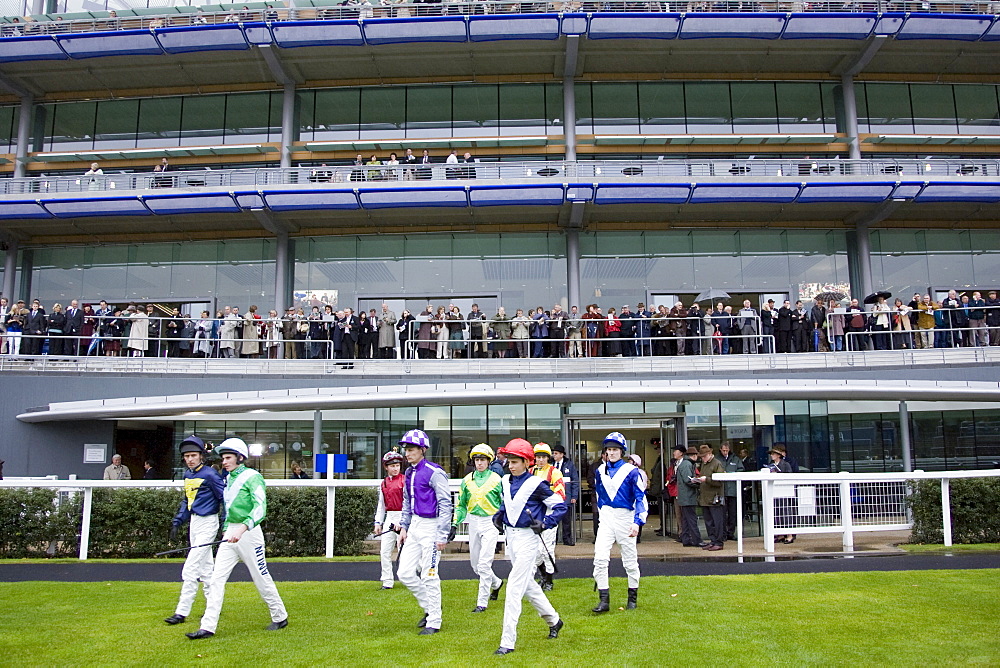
[853,65]
[272,224]
[277,66]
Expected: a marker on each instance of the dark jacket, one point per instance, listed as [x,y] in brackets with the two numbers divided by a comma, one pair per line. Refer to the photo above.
[711,488]
[571,477]
[74,320]
[687,491]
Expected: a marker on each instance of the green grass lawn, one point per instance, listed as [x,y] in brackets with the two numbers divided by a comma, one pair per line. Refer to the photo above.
[930,548]
[867,619]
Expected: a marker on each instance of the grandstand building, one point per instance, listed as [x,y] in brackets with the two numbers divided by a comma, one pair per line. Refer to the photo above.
[618,152]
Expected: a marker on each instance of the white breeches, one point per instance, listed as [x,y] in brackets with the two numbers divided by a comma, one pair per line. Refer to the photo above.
[199,564]
[418,567]
[616,523]
[522,547]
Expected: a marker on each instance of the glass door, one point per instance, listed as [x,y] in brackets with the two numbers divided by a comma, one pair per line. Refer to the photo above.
[362,450]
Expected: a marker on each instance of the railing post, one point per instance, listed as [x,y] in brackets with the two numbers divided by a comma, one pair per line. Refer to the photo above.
[846,515]
[767,501]
[331,502]
[739,517]
[88,504]
[946,510]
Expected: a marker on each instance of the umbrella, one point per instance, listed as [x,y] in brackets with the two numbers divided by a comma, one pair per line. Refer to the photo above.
[829,296]
[873,297]
[711,295]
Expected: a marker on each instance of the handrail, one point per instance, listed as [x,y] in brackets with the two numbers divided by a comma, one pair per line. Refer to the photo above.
[356,10]
[579,172]
[843,519]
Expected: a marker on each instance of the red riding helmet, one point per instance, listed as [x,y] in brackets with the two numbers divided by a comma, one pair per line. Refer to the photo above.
[519,447]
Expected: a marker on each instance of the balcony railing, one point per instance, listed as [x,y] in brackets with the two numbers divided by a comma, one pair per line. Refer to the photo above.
[557,171]
[353,10]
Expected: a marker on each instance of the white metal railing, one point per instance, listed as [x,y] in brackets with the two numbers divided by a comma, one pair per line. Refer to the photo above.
[837,361]
[365,9]
[844,503]
[87,486]
[528,171]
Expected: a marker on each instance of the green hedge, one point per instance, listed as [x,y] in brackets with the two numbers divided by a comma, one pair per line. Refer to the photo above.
[974,517]
[135,523]
[33,525]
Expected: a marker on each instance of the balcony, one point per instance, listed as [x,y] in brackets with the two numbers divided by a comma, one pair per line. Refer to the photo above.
[802,191]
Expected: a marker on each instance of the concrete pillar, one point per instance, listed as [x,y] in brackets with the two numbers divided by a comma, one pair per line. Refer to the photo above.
[27,268]
[289,128]
[864,259]
[23,135]
[573,268]
[851,116]
[281,277]
[10,271]
[318,439]
[569,96]
[904,436]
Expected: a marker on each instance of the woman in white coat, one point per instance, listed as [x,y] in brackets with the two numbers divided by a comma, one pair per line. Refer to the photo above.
[138,336]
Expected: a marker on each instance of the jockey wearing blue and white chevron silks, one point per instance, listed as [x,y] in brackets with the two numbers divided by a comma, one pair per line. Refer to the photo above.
[621,502]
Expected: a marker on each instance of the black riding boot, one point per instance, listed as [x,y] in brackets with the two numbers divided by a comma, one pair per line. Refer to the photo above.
[633,594]
[604,604]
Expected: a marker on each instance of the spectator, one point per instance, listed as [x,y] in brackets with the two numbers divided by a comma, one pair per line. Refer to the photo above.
[993,318]
[150,472]
[520,332]
[56,328]
[251,333]
[297,472]
[732,464]
[117,471]
[711,498]
[781,505]
[977,334]
[405,330]
[687,499]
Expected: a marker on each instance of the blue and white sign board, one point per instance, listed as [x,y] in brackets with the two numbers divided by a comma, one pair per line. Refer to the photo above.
[324,462]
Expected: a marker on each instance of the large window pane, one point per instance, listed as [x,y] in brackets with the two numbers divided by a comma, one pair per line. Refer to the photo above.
[616,108]
[73,126]
[8,128]
[116,124]
[708,108]
[522,109]
[933,109]
[159,122]
[428,111]
[383,112]
[661,108]
[754,107]
[977,109]
[800,108]
[584,108]
[887,109]
[203,120]
[248,118]
[554,107]
[336,114]
[475,111]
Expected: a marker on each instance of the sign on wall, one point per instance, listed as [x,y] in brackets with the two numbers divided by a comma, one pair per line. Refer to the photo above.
[95,453]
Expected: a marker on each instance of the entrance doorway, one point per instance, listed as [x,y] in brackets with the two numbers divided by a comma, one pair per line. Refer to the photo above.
[652,437]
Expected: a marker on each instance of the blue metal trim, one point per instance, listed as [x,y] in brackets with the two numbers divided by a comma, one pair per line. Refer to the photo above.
[423,32]
[640,19]
[93,213]
[210,44]
[344,33]
[542,200]
[8,47]
[497,36]
[745,18]
[100,40]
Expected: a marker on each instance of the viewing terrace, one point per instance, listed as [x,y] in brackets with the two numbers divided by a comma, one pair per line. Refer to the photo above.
[808,192]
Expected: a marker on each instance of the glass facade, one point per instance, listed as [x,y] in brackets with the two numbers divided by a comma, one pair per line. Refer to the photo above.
[705,107]
[924,108]
[514,270]
[822,436]
[514,109]
[227,272]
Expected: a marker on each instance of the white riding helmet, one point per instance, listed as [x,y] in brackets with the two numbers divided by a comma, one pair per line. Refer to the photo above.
[235,446]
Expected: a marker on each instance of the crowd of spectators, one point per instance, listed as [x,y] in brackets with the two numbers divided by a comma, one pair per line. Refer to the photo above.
[354,9]
[320,332]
